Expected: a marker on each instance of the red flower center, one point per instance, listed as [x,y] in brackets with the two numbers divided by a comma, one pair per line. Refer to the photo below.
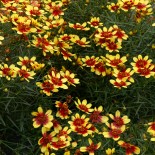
[141,63]
[24,73]
[6,71]
[91,62]
[153,126]
[45,139]
[95,117]
[92,148]
[47,86]
[56,81]
[81,130]
[83,108]
[78,122]
[95,23]
[118,121]
[115,133]
[41,119]
[115,62]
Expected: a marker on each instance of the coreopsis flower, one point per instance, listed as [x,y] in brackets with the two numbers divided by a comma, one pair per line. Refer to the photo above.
[140,62]
[33,11]
[83,130]
[90,61]
[99,68]
[65,133]
[114,7]
[115,60]
[55,8]
[1,38]
[126,5]
[57,80]
[119,84]
[8,71]
[96,117]
[56,125]
[43,43]
[42,118]
[112,46]
[26,61]
[91,148]
[37,66]
[66,54]
[151,128]
[81,42]
[78,120]
[110,151]
[113,132]
[95,22]
[83,106]
[124,74]
[23,25]
[47,87]
[66,2]
[120,34]
[25,74]
[71,80]
[62,142]
[105,33]
[78,26]
[129,148]
[67,152]
[63,110]
[119,121]
[46,140]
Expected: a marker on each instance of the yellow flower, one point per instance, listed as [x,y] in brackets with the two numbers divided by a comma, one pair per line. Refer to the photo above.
[1,38]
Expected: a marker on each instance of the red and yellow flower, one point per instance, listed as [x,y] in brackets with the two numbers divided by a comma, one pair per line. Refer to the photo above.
[95,22]
[63,110]
[42,119]
[91,148]
[129,148]
[114,132]
[96,117]
[118,120]
[84,106]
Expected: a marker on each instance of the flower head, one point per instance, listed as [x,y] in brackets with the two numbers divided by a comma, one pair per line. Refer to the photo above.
[42,119]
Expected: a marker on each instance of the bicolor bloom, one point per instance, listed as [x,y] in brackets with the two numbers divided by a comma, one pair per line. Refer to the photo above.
[83,106]
[151,128]
[70,77]
[42,118]
[25,74]
[114,132]
[61,143]
[110,151]
[120,34]
[96,117]
[115,60]
[90,61]
[114,7]
[8,71]
[95,22]
[26,61]
[91,148]
[46,140]
[78,120]
[140,62]
[65,133]
[47,87]
[81,42]
[99,68]
[63,110]
[119,121]
[57,80]
[56,125]
[124,74]
[79,26]
[119,84]
[129,148]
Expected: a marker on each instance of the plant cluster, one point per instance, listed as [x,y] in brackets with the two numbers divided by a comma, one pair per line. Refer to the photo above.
[62,46]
